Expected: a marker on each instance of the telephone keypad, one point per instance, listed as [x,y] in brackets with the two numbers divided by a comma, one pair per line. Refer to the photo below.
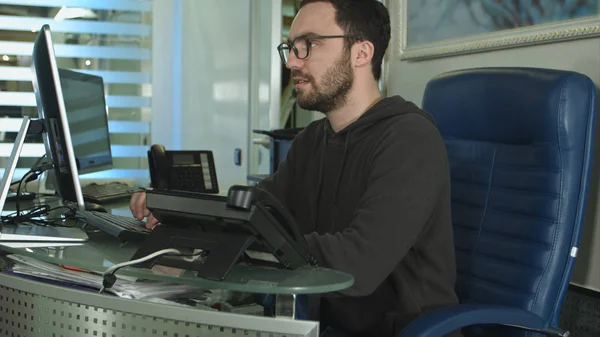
[188,178]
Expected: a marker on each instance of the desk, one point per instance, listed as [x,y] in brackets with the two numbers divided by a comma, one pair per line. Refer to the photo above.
[35,308]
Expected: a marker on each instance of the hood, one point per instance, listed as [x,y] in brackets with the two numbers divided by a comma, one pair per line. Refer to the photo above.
[384,109]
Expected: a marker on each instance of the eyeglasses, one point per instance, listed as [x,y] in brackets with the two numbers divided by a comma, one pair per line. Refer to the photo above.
[301,46]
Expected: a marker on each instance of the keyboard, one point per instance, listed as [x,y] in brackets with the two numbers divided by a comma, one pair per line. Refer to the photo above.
[122,227]
[104,193]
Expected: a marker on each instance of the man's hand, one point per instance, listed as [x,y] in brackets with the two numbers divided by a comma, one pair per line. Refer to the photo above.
[137,205]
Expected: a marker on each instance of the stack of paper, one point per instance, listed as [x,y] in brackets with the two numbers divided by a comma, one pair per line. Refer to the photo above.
[123,287]
[144,290]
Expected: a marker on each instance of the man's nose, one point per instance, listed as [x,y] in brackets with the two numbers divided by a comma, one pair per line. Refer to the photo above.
[293,62]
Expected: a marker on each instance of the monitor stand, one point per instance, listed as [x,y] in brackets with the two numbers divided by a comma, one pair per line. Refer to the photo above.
[22,232]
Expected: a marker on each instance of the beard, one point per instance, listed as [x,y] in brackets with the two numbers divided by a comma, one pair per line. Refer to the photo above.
[333,91]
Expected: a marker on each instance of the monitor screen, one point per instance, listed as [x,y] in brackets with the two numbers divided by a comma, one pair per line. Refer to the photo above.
[88,120]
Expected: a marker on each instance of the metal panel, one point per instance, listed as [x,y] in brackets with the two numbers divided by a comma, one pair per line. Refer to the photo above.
[29,308]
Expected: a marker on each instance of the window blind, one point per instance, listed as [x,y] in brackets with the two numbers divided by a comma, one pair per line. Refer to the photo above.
[108,38]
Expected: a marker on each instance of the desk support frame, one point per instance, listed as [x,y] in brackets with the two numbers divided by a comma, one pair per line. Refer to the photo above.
[12,161]
[28,127]
[43,309]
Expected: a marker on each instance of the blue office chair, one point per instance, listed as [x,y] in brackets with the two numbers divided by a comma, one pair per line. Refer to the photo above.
[520,145]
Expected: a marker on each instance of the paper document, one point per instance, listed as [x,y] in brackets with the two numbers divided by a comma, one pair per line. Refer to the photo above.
[123,288]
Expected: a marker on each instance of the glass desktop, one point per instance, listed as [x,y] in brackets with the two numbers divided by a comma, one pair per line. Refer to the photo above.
[102,251]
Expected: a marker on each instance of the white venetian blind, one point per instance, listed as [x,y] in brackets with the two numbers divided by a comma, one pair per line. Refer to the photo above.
[109,38]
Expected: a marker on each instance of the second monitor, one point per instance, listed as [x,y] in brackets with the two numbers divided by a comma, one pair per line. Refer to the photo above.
[88,120]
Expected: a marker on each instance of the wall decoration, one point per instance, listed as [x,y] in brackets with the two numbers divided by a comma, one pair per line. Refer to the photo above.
[437,28]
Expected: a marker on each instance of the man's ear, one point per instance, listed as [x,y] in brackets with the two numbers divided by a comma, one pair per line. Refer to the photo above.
[366,49]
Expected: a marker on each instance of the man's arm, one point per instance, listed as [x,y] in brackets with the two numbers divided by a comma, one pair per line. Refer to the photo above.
[408,173]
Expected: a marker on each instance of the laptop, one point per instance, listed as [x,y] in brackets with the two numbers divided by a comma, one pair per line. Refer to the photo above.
[26,232]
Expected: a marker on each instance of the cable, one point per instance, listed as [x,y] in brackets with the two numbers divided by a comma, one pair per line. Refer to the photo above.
[18,204]
[35,214]
[31,175]
[35,167]
[28,214]
[109,278]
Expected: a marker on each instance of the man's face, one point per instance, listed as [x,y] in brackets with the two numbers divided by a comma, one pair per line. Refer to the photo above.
[324,79]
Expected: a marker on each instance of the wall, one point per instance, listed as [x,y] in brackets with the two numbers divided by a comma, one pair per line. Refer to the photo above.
[265,81]
[408,79]
[166,75]
[200,87]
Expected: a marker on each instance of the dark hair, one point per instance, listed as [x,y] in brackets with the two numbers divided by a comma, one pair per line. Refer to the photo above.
[366,20]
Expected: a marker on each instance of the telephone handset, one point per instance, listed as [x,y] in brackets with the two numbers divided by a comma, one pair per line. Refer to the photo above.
[243,197]
[192,171]
[157,163]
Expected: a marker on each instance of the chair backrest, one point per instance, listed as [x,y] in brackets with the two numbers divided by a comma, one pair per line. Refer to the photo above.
[520,143]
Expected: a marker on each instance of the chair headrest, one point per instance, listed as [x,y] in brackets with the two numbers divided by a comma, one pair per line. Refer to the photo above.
[509,105]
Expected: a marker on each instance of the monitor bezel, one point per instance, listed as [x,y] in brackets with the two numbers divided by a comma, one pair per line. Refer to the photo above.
[66,183]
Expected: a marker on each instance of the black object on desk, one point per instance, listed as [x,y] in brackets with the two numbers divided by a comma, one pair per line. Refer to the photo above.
[192,171]
[124,228]
[12,196]
[248,224]
[105,193]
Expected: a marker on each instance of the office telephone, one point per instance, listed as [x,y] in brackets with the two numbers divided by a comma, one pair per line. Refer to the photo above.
[192,171]
[249,224]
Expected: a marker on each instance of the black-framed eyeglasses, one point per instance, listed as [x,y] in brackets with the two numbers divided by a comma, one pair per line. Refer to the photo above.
[301,46]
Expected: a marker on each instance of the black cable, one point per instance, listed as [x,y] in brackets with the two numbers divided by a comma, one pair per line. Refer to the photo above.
[27,215]
[33,215]
[31,175]
[18,197]
[35,167]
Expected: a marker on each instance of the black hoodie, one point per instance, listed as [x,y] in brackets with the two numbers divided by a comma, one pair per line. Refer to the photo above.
[373,200]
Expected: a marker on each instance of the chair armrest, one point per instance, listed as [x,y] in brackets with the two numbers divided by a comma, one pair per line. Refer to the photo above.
[448,319]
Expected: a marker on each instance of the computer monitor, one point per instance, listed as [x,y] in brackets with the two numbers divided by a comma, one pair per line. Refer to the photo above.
[51,109]
[88,120]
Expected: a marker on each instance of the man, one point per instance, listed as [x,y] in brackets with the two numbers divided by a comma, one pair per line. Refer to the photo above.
[369,184]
